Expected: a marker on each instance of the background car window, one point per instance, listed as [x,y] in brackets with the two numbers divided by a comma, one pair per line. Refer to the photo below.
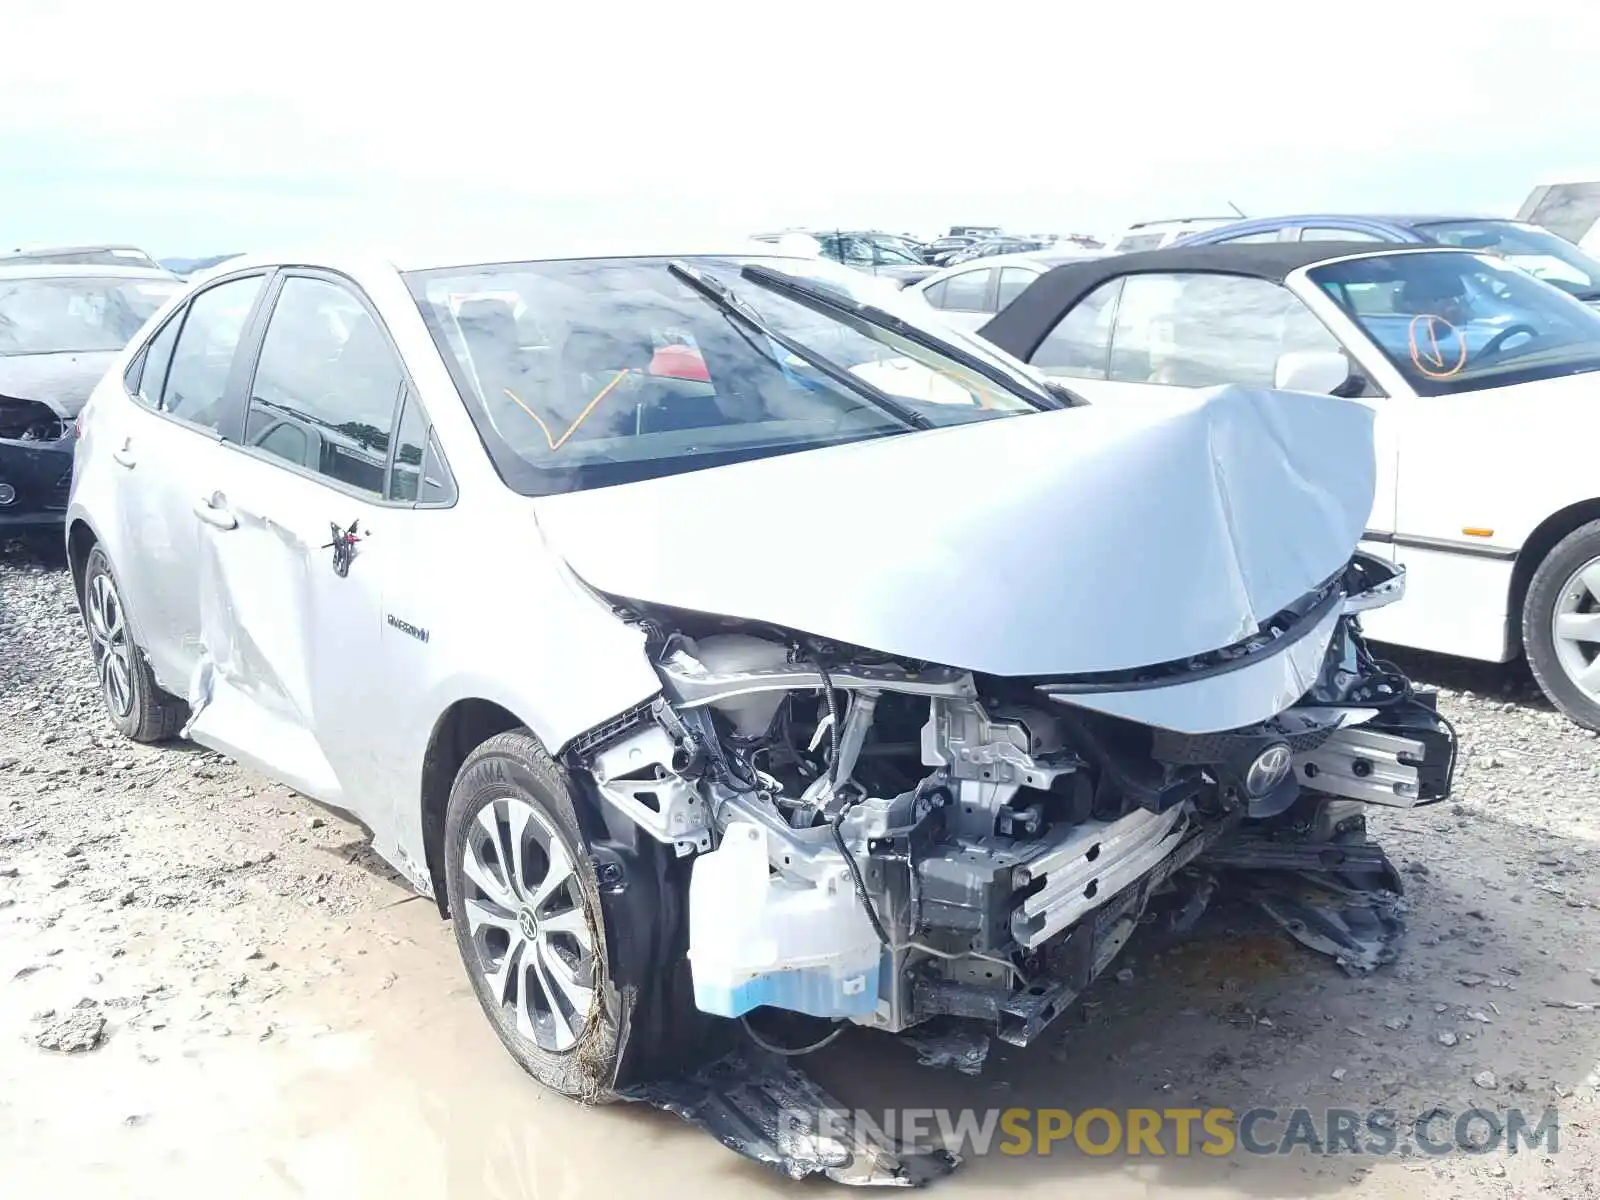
[1329,233]
[894,256]
[1080,344]
[967,292]
[934,295]
[326,385]
[1201,330]
[155,360]
[1265,235]
[1013,281]
[198,377]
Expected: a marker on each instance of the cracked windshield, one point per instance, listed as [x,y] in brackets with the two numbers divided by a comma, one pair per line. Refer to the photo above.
[621,365]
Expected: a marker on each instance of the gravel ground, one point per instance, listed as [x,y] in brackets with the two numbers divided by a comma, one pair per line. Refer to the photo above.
[202,972]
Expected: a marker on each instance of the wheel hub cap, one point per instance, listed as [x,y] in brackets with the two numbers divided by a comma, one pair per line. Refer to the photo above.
[532,937]
[108,637]
[1575,628]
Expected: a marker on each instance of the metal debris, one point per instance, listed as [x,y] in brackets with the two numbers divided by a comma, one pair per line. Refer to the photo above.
[750,1100]
[963,1046]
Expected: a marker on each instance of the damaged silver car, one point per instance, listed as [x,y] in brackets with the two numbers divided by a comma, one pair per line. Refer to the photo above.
[725,647]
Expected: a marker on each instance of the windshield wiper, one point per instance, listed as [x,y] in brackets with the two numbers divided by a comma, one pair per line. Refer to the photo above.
[724,298]
[831,303]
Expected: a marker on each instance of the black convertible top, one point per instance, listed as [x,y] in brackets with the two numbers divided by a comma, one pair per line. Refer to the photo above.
[1022,325]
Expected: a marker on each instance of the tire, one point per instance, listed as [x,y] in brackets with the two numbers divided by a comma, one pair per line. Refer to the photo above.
[1557,590]
[559,1011]
[136,704]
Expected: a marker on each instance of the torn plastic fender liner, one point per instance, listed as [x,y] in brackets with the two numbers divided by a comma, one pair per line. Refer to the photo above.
[759,1105]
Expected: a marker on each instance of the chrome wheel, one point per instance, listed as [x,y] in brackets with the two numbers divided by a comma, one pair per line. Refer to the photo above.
[1576,629]
[531,936]
[113,652]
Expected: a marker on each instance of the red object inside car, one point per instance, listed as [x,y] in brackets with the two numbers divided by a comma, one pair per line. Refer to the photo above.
[679,362]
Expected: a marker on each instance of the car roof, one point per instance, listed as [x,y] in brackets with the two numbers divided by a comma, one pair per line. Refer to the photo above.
[82,271]
[357,260]
[1021,326]
[75,249]
[1171,221]
[1045,259]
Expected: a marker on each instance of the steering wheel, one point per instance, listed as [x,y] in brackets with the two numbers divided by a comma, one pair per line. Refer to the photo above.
[1493,345]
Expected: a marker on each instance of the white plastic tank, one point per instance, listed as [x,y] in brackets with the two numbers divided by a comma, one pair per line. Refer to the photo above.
[756,938]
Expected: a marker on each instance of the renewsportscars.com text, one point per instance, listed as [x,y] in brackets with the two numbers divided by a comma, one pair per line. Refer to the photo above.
[1181,1132]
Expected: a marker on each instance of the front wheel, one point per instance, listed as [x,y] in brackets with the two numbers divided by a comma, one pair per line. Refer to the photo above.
[533,932]
[1561,625]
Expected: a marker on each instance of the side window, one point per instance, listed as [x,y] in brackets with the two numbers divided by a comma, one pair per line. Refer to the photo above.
[1265,235]
[1013,281]
[202,357]
[153,362]
[1200,330]
[418,473]
[1328,233]
[935,295]
[326,386]
[967,292]
[1080,344]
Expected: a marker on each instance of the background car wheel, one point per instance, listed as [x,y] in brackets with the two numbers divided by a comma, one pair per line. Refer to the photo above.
[536,937]
[1561,625]
[138,707]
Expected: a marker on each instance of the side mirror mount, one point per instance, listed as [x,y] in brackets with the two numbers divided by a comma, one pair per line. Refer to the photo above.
[1325,371]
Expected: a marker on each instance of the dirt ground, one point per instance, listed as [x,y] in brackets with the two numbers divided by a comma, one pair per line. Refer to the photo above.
[209,986]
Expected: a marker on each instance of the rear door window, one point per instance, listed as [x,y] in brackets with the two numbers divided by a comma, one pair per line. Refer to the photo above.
[149,373]
[968,292]
[196,382]
[1334,233]
[1013,282]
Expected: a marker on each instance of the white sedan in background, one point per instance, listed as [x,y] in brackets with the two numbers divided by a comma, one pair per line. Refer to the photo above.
[970,293]
[1482,381]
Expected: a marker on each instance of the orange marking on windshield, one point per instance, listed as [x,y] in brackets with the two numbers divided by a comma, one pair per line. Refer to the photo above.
[1429,358]
[557,443]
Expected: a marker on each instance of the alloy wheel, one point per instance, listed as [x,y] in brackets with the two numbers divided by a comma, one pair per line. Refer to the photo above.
[112,649]
[531,934]
[1575,627]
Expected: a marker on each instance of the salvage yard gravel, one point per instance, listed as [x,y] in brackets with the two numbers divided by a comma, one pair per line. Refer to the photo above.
[206,981]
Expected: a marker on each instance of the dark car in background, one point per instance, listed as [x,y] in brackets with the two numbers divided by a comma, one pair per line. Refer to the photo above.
[60,327]
[1531,247]
[990,247]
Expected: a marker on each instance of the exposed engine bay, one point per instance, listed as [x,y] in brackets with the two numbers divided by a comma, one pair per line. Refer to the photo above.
[884,842]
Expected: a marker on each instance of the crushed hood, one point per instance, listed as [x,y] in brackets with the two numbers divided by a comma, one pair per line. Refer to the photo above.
[1088,539]
[63,381]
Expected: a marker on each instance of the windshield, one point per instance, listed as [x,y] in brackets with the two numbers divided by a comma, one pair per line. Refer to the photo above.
[586,373]
[1458,322]
[1537,251]
[60,316]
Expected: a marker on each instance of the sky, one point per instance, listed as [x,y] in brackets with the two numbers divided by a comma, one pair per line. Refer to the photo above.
[197,128]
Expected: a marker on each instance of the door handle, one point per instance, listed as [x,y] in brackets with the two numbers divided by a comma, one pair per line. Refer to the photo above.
[123,455]
[216,515]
